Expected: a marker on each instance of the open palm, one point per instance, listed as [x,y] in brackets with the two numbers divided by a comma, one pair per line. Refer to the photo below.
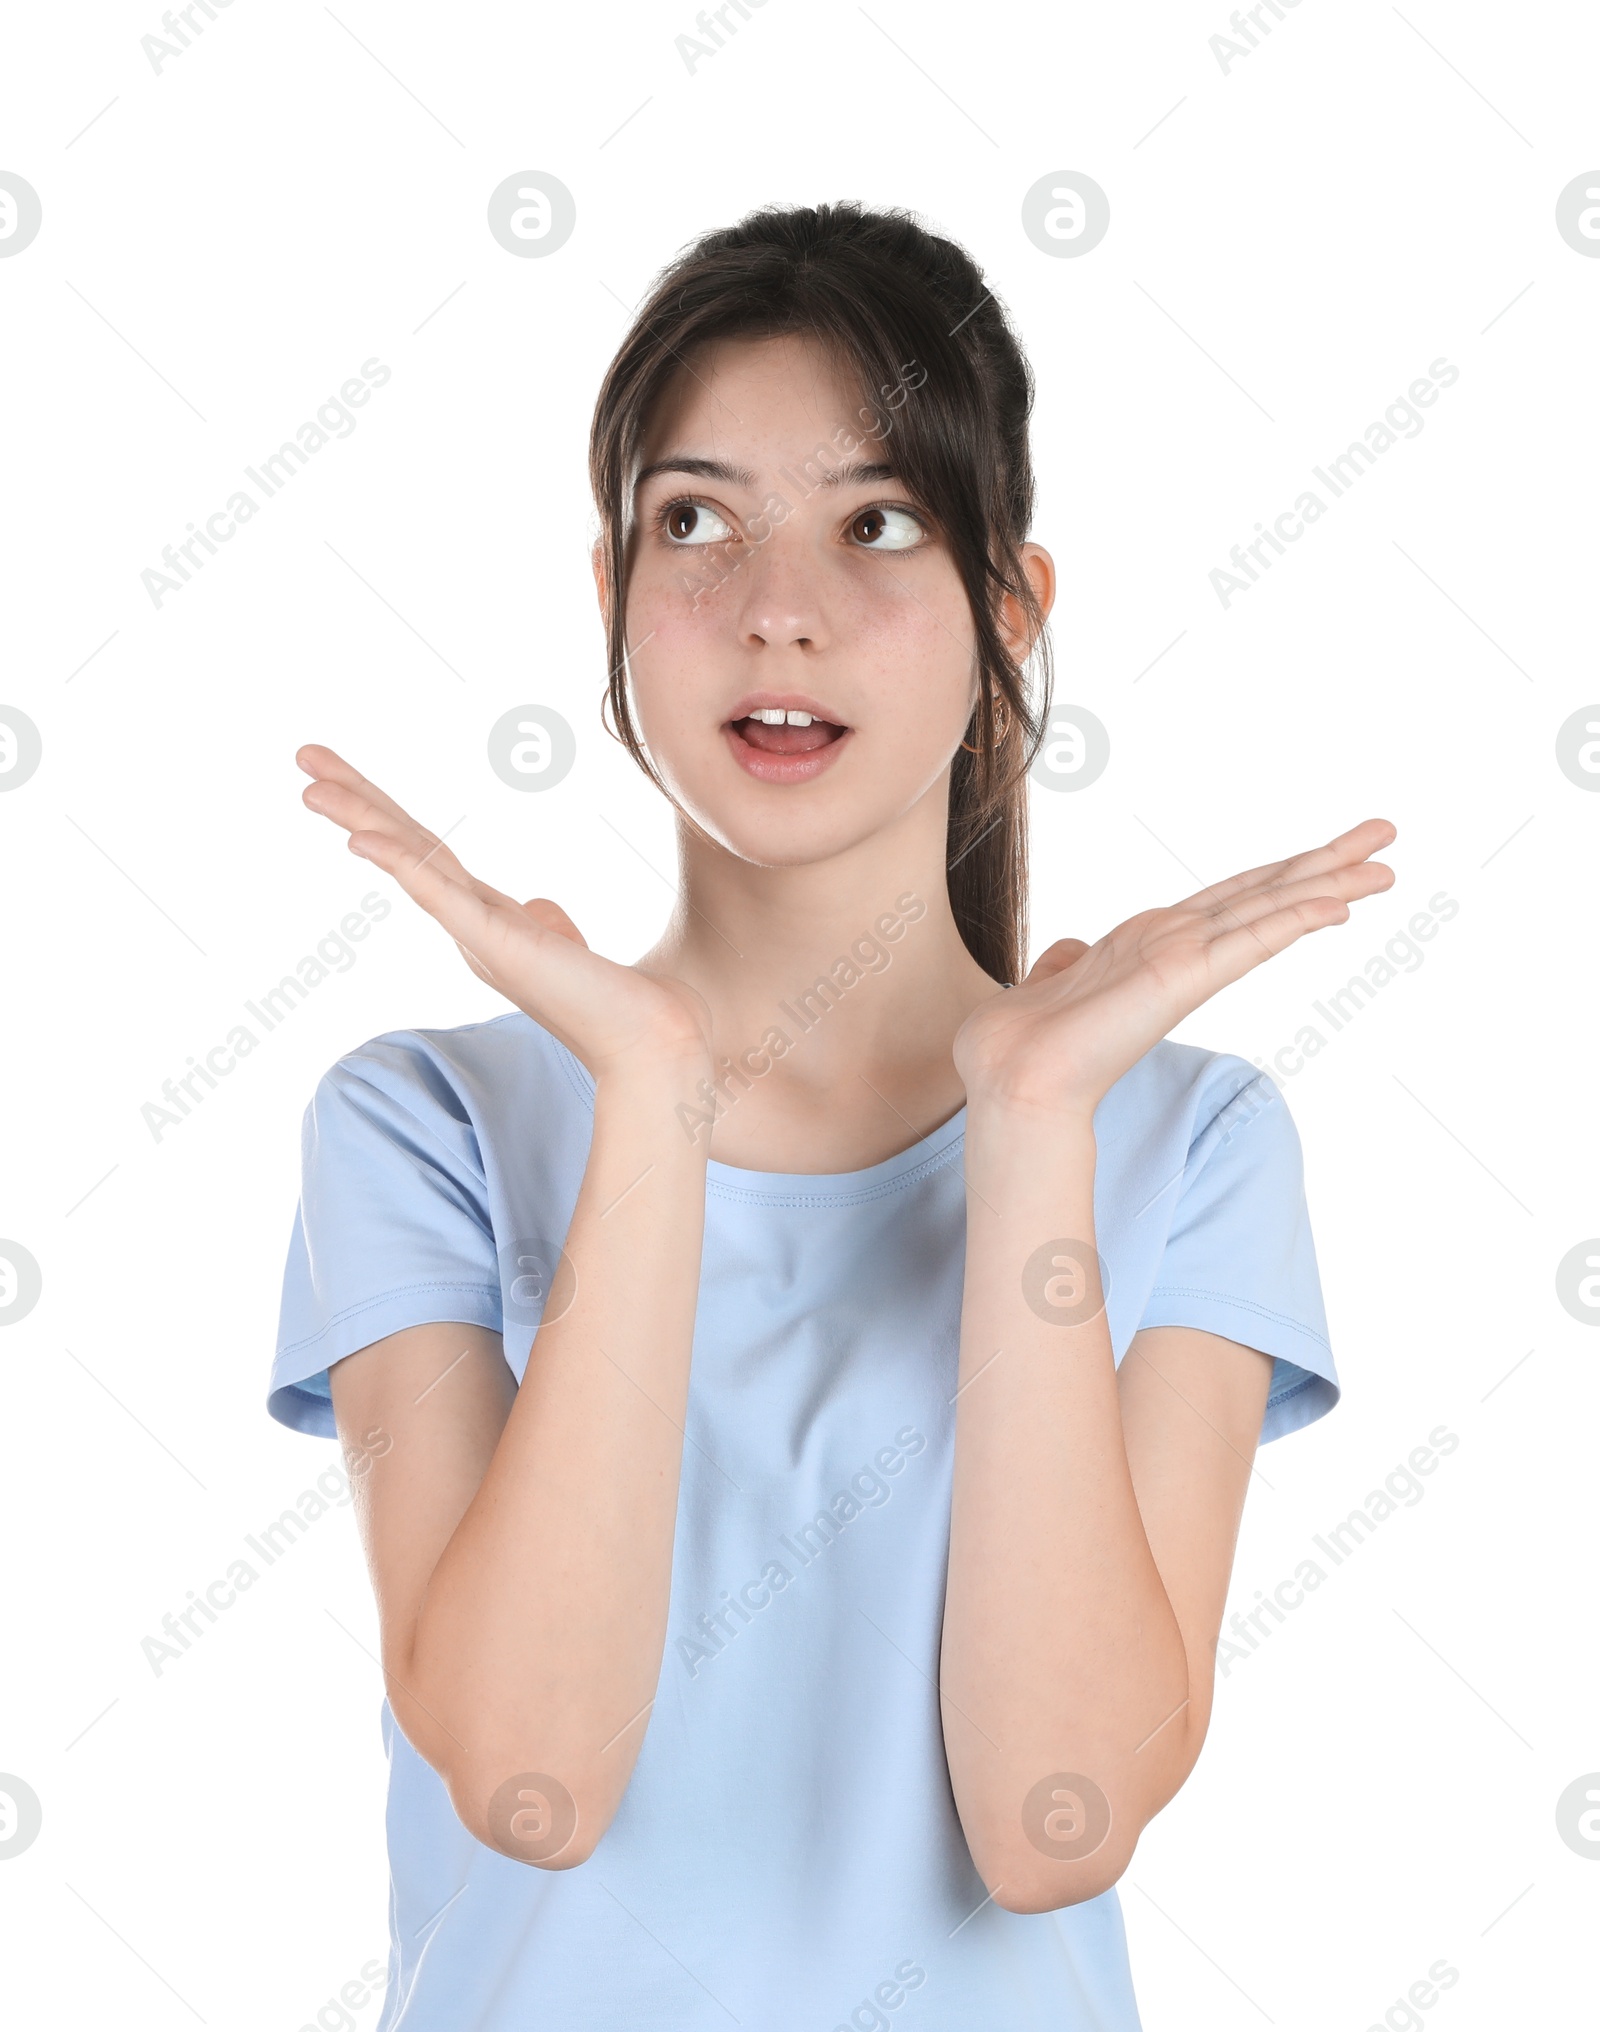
[532,952]
[1086,1013]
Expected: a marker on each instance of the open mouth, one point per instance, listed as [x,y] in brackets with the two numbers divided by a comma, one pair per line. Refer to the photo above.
[782,738]
[784,744]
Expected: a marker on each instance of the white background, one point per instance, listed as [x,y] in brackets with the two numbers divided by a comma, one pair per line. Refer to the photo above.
[1295,242]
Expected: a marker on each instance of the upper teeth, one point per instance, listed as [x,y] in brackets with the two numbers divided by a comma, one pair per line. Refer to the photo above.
[774,716]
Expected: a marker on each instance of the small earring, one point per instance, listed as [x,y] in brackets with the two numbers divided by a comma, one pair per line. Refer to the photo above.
[1002,728]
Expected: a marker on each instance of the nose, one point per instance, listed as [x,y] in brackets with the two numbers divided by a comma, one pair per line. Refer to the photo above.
[780,599]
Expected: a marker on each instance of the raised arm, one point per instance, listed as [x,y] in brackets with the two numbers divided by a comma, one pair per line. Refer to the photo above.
[1094,1510]
[520,1540]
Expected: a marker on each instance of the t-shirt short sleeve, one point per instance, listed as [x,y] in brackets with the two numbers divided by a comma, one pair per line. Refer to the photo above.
[1239,1259]
[393,1226]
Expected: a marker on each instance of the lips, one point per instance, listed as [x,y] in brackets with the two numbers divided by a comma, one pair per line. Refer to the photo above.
[781,753]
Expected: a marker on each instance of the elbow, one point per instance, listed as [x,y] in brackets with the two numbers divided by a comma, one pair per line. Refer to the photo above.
[509,1799]
[1064,1849]
[1034,1884]
[530,1816]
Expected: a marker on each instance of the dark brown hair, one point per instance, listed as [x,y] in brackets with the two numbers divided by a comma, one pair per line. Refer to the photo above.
[909,316]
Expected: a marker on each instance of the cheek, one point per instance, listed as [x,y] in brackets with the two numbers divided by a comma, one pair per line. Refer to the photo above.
[683,602]
[913,611]
[683,665]
[912,633]
[680,656]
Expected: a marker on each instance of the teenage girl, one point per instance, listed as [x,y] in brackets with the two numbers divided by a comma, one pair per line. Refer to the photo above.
[801,1387]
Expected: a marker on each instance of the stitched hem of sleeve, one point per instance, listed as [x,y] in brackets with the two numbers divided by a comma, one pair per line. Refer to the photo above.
[403,1291]
[1226,1303]
[1302,1404]
[1305,1385]
[298,1394]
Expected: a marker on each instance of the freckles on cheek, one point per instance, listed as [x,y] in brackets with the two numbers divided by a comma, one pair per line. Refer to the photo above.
[672,623]
[912,638]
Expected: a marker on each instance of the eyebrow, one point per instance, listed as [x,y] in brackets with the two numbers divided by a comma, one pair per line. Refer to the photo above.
[857,473]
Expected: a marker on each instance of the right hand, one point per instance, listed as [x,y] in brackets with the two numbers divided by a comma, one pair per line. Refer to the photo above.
[605,1014]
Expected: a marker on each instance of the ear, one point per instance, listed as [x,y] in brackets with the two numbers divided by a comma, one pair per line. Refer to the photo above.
[1012,617]
[597,564]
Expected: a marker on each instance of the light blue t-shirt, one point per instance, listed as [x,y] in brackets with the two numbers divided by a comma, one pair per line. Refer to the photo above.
[787,1856]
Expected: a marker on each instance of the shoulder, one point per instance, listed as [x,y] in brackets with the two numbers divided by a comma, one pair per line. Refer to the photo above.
[1188,1090]
[438,1067]
[454,1086]
[1183,1119]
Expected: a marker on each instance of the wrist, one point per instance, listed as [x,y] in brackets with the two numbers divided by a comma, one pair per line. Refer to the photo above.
[666,1062]
[1017,1153]
[665,1095]
[1009,1113]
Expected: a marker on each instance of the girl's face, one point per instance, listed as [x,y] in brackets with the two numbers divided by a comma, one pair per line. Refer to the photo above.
[778,565]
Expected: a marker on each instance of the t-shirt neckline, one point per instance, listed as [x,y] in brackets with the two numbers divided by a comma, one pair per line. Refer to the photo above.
[814,1185]
[863,1184]
[739,1182]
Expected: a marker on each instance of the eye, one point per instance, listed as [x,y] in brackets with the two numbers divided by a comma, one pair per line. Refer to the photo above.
[886,529]
[685,522]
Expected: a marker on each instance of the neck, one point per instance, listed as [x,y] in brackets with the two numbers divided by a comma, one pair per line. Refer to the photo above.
[835,990]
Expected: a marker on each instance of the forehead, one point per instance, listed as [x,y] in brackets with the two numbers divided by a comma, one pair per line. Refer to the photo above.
[750,399]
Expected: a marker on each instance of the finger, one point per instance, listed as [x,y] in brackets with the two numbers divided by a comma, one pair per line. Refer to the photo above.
[335,782]
[346,798]
[1055,959]
[364,821]
[325,765]
[476,916]
[1348,885]
[1348,849]
[1232,956]
[492,932]
[554,918]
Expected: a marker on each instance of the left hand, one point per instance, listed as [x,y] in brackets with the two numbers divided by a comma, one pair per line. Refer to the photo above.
[1086,1013]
